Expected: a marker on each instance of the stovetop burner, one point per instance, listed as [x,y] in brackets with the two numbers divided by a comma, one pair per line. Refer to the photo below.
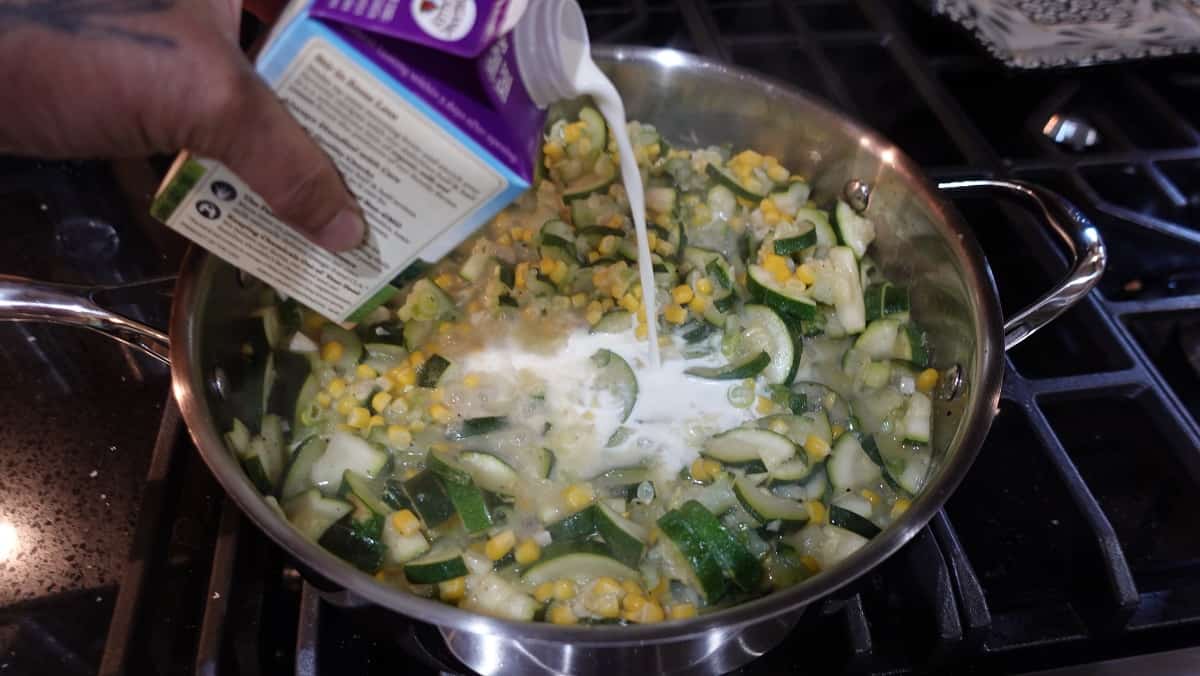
[1070,542]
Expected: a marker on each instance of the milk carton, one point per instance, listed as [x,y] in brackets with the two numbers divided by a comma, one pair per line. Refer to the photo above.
[423,107]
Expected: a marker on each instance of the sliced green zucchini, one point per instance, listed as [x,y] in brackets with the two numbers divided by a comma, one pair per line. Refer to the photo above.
[490,472]
[734,558]
[747,367]
[790,245]
[312,513]
[426,301]
[432,370]
[790,200]
[626,539]
[576,561]
[796,470]
[766,507]
[886,300]
[578,526]
[848,295]
[468,501]
[763,330]
[346,451]
[596,181]
[849,466]
[855,523]
[728,180]
[356,542]
[853,230]
[614,321]
[762,287]
[417,332]
[917,418]
[442,563]
[689,558]
[878,340]
[238,437]
[358,489]
[911,477]
[402,548]
[696,331]
[910,346]
[595,130]
[545,463]
[474,427]
[614,376]
[428,497]
[746,444]
[622,482]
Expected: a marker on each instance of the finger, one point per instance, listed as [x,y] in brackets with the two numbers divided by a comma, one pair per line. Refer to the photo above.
[253,134]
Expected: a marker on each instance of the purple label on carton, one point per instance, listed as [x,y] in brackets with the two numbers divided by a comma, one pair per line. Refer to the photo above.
[462,27]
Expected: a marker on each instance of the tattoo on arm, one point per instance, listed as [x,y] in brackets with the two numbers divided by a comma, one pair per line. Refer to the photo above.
[86,18]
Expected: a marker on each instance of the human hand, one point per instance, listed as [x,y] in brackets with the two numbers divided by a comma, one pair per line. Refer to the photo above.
[108,78]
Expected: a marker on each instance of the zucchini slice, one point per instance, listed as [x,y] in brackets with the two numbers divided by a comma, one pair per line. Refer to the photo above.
[576,561]
[917,418]
[346,451]
[855,523]
[734,558]
[626,539]
[785,299]
[545,463]
[766,507]
[848,295]
[615,376]
[724,178]
[432,370]
[402,548]
[474,427]
[748,444]
[849,466]
[853,229]
[312,513]
[886,300]
[747,367]
[429,499]
[490,472]
[878,340]
[578,526]
[440,564]
[688,556]
[614,321]
[763,330]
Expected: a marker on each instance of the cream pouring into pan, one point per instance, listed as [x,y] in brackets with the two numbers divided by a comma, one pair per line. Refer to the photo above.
[691,101]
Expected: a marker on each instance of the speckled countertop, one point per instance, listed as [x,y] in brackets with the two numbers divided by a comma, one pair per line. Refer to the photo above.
[78,413]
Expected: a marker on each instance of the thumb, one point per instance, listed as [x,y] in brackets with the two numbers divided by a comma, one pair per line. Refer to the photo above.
[256,138]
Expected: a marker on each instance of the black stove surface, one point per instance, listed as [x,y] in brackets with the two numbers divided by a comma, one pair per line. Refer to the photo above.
[1071,541]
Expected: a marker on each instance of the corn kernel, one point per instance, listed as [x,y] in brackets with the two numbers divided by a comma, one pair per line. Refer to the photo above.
[504,239]
[927,380]
[640,313]
[633,602]
[593,315]
[416,359]
[544,592]
[630,303]
[380,401]
[437,395]
[765,405]
[652,239]
[399,436]
[615,221]
[870,496]
[648,613]
[528,552]
[471,380]
[561,613]
[579,300]
[593,256]
[816,447]
[445,281]
[837,430]
[336,387]
[345,405]
[578,496]
[675,314]
[817,512]
[641,332]
[777,266]
[564,590]
[332,351]
[683,611]
[804,273]
[631,587]
[376,421]
[521,275]
[404,376]
[682,294]
[440,414]
[453,590]
[359,417]
[417,426]
[552,150]
[660,590]
[810,563]
[605,585]
[698,304]
[547,265]
[705,469]
[607,246]
[704,286]
[559,274]
[365,372]
[572,132]
[405,522]
[747,158]
[778,174]
[324,400]
[500,544]
[445,328]
[900,507]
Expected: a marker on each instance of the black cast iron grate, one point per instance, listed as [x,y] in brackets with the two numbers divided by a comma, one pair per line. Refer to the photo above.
[1070,540]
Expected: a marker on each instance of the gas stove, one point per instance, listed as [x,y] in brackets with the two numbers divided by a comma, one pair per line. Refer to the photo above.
[1069,547]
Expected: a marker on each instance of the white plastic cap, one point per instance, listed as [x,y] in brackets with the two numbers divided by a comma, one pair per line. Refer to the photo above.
[551,41]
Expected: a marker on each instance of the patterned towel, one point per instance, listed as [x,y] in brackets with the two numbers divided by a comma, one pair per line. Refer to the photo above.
[1049,33]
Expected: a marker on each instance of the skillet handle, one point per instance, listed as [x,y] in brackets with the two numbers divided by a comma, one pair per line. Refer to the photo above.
[1072,228]
[29,300]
